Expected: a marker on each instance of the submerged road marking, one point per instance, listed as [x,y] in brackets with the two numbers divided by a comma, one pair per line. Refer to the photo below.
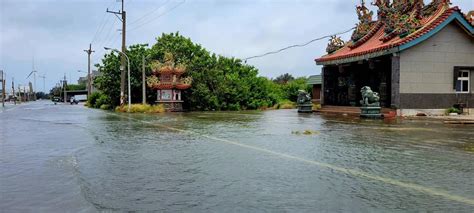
[353,172]
[14,107]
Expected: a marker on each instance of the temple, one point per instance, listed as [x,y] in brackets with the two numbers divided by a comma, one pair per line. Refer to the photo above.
[419,58]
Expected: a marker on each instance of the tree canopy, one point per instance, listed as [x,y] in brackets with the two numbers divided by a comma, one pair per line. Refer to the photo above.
[219,83]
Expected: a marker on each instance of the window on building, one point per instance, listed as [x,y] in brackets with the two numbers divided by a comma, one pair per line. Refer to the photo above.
[462,83]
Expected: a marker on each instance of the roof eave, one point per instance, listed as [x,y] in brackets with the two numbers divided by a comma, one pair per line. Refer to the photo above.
[455,16]
[359,58]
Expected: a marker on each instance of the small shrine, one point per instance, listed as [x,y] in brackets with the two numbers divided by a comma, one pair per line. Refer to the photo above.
[169,82]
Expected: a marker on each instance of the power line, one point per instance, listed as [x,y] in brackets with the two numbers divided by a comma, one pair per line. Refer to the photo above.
[107,38]
[297,45]
[102,24]
[160,15]
[149,13]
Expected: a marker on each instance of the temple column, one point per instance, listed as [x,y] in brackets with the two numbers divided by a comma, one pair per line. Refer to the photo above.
[395,96]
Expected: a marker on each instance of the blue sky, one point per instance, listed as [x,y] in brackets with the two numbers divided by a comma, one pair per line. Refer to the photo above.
[56,32]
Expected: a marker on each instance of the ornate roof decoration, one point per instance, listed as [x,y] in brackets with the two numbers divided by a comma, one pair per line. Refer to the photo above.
[470,17]
[365,22]
[404,17]
[335,43]
[401,24]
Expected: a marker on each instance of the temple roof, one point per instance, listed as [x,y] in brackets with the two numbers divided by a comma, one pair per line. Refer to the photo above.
[394,32]
[314,80]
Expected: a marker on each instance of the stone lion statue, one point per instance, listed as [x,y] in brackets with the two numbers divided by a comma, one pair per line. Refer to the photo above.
[303,97]
[369,97]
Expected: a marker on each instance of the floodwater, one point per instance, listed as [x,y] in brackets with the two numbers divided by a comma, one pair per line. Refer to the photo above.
[64,158]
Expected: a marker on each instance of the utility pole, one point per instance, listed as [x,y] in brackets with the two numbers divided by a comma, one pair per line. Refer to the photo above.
[64,87]
[124,49]
[3,88]
[143,81]
[89,78]
[13,89]
[34,79]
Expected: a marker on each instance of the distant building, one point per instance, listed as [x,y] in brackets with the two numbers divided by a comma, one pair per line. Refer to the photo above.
[419,58]
[315,82]
[83,80]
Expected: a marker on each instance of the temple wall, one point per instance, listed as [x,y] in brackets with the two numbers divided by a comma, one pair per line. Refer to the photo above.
[426,70]
[428,67]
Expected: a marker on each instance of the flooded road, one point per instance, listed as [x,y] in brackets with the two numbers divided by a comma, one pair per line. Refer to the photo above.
[57,158]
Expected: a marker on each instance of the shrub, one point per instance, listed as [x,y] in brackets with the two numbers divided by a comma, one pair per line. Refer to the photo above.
[285,104]
[105,107]
[453,110]
[142,108]
[102,100]
[92,99]
[316,106]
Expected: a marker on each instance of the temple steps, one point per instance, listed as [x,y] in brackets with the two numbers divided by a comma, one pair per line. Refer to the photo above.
[345,110]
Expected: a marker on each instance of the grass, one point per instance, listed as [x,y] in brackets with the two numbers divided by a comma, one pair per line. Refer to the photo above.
[142,108]
[285,104]
[316,106]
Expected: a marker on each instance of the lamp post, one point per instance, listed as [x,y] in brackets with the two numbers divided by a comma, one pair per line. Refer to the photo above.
[129,86]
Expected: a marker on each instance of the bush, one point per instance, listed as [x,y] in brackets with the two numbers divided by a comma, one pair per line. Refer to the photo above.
[97,99]
[453,110]
[105,107]
[102,100]
[285,104]
[92,99]
[316,106]
[141,108]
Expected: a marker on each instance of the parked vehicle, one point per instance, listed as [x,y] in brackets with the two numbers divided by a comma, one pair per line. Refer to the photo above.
[55,100]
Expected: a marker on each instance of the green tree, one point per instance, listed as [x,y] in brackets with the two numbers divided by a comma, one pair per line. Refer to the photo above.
[70,87]
[290,89]
[219,83]
[284,79]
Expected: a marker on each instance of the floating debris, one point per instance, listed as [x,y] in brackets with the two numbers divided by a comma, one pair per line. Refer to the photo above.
[306,132]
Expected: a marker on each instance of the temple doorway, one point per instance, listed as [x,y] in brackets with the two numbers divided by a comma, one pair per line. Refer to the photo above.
[342,83]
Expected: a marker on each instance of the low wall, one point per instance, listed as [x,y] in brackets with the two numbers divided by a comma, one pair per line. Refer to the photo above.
[429,112]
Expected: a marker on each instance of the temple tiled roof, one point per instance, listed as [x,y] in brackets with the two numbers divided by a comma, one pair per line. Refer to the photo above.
[314,80]
[377,40]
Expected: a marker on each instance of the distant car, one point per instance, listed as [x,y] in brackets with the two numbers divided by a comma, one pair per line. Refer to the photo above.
[56,99]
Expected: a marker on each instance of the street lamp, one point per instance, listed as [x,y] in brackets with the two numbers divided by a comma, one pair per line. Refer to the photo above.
[129,86]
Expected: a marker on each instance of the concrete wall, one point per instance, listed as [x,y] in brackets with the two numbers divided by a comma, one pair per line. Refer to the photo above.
[428,66]
[426,70]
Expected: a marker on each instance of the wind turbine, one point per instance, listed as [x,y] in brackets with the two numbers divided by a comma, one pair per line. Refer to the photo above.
[34,76]
[34,79]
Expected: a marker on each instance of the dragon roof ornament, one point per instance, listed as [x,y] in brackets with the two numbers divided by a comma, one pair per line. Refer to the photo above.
[335,43]
[365,22]
[403,17]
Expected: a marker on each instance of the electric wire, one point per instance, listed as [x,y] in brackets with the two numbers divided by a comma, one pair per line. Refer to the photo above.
[160,15]
[149,13]
[107,38]
[297,45]
[102,24]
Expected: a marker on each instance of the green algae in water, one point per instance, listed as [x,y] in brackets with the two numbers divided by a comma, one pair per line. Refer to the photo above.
[305,132]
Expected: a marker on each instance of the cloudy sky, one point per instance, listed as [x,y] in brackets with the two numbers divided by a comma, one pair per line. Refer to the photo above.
[55,32]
